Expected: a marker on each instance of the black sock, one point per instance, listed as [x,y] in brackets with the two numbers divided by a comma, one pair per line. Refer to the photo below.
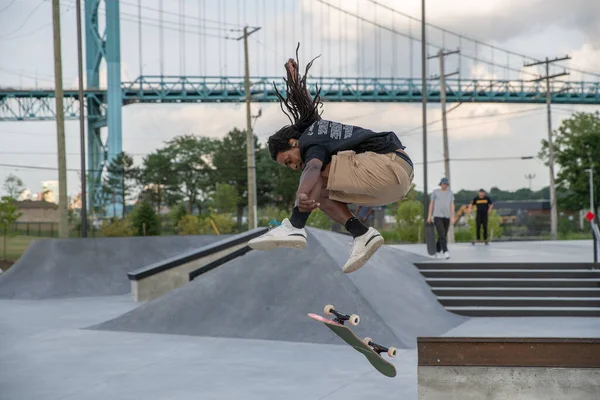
[355,227]
[299,218]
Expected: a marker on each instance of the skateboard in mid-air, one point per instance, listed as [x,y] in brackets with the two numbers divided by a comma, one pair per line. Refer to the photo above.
[430,238]
[372,351]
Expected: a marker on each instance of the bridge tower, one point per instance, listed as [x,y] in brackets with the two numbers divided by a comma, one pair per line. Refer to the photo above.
[103,46]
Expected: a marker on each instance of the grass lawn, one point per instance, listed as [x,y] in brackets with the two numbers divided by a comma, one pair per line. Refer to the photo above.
[15,247]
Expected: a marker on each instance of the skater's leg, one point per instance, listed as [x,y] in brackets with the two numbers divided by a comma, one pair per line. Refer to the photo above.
[478,226]
[439,227]
[485,228]
[446,222]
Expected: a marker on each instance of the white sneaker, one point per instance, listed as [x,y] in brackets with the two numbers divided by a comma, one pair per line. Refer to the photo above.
[285,235]
[446,255]
[439,255]
[363,248]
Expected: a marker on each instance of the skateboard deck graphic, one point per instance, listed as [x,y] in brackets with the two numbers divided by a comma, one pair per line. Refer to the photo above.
[430,238]
[384,367]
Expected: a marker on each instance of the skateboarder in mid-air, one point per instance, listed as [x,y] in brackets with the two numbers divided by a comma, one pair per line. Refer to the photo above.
[341,164]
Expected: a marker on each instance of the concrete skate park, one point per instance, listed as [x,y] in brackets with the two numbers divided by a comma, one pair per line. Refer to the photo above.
[205,317]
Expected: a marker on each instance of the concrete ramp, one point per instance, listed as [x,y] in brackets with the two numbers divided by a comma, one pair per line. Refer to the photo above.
[89,267]
[266,295]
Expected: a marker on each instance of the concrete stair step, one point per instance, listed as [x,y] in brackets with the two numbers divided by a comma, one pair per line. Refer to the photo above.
[516,282]
[526,311]
[480,301]
[518,291]
[510,273]
[511,266]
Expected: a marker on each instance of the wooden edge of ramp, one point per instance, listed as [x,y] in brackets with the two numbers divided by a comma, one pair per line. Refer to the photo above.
[509,352]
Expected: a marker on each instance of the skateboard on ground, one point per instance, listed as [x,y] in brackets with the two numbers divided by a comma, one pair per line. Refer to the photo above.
[430,238]
[479,241]
[372,351]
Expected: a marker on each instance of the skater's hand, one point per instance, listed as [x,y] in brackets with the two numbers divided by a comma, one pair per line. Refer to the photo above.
[305,204]
[430,220]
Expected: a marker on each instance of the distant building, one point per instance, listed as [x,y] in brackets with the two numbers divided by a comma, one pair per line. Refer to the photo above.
[75,204]
[26,195]
[37,211]
[49,191]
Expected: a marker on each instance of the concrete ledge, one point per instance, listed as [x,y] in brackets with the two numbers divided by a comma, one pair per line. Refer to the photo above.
[498,383]
[508,368]
[154,280]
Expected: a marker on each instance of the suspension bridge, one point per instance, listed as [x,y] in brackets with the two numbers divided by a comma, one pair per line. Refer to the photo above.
[369,53]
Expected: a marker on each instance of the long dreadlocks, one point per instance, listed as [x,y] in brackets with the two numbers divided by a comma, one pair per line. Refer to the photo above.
[302,109]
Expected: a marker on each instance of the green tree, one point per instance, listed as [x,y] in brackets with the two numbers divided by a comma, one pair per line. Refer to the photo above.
[145,220]
[13,186]
[155,179]
[276,184]
[409,220]
[9,213]
[230,162]
[191,172]
[225,198]
[121,180]
[576,145]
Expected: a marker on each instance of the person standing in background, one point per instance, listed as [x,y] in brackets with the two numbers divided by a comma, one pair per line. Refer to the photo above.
[484,206]
[441,214]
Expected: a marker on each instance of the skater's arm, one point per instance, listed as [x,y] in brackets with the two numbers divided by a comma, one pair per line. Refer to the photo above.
[452,213]
[430,210]
[310,178]
[491,205]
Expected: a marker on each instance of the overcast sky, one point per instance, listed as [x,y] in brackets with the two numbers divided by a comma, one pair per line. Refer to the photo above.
[536,28]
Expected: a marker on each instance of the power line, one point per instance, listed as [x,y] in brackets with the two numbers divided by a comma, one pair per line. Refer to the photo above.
[460,36]
[474,58]
[179,14]
[230,168]
[26,19]
[7,6]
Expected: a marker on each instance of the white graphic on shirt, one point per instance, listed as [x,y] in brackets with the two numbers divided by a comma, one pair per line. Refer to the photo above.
[323,126]
[336,130]
[348,131]
[311,129]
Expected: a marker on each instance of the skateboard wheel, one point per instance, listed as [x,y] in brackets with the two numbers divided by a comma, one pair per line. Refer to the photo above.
[354,319]
[328,308]
[367,340]
[392,351]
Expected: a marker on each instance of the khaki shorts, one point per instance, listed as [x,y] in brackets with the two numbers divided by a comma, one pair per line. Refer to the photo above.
[368,179]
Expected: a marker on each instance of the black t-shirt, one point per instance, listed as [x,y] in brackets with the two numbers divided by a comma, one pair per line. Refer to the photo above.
[482,204]
[323,139]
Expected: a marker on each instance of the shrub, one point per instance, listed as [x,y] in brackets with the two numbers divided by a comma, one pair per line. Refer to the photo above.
[144,220]
[189,225]
[117,228]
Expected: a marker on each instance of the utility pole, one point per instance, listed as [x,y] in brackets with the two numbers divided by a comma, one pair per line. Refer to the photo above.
[530,177]
[424,110]
[442,56]
[252,220]
[63,223]
[81,124]
[547,78]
